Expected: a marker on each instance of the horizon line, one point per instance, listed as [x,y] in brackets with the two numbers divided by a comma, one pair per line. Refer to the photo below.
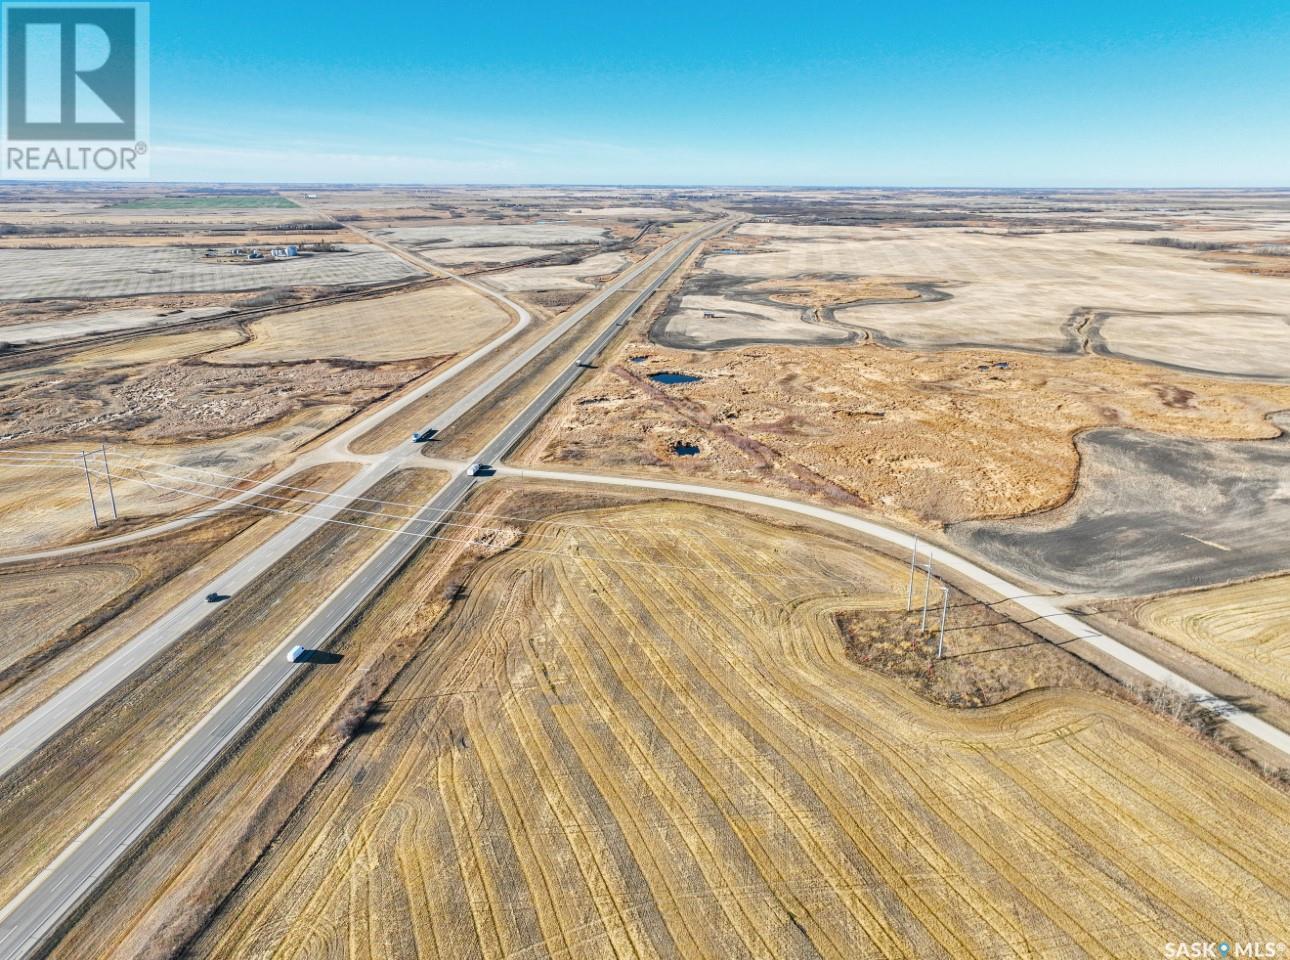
[1264,188]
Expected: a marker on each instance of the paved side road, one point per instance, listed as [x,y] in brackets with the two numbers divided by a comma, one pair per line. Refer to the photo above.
[334,449]
[1042,607]
[22,738]
[30,917]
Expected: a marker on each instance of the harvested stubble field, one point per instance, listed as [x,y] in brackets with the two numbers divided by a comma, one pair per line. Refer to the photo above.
[23,331]
[74,224]
[125,271]
[673,755]
[220,201]
[1242,627]
[429,240]
[178,233]
[52,796]
[487,256]
[165,895]
[936,288]
[1249,345]
[569,276]
[931,437]
[431,322]
[59,318]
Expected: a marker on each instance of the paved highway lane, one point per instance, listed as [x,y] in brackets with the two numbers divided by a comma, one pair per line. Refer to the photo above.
[36,911]
[334,449]
[75,871]
[22,738]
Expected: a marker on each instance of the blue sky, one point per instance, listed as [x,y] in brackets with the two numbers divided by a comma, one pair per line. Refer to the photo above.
[1005,93]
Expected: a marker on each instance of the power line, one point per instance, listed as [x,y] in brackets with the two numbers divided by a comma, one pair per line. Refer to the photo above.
[328,493]
[108,470]
[926,568]
[348,505]
[534,550]
[246,496]
[94,510]
[255,491]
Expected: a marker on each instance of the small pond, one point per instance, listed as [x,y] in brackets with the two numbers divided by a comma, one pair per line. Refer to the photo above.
[670,377]
[684,449]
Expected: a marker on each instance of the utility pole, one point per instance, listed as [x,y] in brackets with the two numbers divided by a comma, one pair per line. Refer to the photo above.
[108,471]
[927,591]
[909,595]
[85,462]
[945,609]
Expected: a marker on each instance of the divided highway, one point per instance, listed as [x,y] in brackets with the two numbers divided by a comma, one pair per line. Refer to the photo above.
[23,737]
[33,915]
[28,919]
[338,447]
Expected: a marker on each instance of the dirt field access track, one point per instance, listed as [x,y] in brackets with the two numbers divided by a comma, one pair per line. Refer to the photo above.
[626,759]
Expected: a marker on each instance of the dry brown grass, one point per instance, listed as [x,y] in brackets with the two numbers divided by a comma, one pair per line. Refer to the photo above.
[820,292]
[158,397]
[930,437]
[672,755]
[987,658]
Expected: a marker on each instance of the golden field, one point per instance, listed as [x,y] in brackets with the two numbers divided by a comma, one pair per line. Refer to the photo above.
[625,742]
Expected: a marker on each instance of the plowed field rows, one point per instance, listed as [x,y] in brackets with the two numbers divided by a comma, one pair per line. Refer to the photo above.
[671,756]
